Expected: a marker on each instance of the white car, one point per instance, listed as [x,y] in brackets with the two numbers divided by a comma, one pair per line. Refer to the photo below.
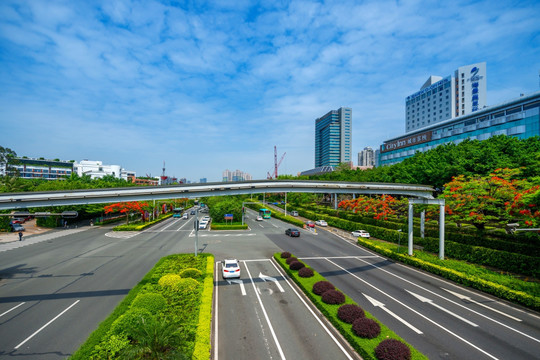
[321,223]
[230,268]
[203,224]
[360,233]
[259,218]
[206,218]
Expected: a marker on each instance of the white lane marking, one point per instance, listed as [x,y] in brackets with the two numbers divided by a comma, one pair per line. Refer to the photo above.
[266,316]
[185,223]
[216,308]
[171,224]
[442,297]
[312,312]
[13,308]
[122,234]
[431,302]
[269,278]
[464,297]
[241,283]
[413,310]
[47,324]
[377,303]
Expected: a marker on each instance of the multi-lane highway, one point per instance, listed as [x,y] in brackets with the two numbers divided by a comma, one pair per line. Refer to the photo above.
[56,288]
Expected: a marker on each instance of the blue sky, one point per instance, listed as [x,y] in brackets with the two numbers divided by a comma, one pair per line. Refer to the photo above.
[212,85]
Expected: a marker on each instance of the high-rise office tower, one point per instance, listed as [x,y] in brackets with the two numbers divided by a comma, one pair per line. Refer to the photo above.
[333,139]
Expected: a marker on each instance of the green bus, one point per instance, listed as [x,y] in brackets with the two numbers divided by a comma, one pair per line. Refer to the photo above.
[265,213]
[177,212]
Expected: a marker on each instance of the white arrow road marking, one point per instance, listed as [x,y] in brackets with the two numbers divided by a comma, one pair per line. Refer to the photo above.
[423,299]
[382,306]
[463,297]
[269,278]
[239,282]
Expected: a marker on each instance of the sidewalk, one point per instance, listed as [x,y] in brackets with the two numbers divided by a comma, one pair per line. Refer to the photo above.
[30,229]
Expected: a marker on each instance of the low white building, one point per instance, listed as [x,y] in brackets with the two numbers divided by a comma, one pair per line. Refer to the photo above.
[96,170]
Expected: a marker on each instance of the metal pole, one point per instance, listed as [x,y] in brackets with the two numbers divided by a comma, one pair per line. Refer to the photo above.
[422,221]
[441,231]
[410,229]
[242,213]
[285,203]
[196,231]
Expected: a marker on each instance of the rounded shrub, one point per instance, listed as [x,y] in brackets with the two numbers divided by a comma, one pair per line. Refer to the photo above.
[305,272]
[191,273]
[392,349]
[285,255]
[333,297]
[290,260]
[169,280]
[321,287]
[131,321]
[296,265]
[187,285]
[350,312]
[366,328]
[152,302]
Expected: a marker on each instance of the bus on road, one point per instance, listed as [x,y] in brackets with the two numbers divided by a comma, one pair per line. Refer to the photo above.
[265,213]
[177,212]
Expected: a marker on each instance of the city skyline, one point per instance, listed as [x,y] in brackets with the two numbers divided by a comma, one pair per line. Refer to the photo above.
[210,86]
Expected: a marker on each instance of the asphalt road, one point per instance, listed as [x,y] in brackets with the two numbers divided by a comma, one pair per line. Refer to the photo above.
[55,290]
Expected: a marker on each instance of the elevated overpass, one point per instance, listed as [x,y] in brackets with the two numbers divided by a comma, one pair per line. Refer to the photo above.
[111,195]
[417,194]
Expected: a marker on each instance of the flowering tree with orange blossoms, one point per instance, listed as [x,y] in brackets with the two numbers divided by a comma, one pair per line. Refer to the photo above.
[127,208]
[497,198]
[378,207]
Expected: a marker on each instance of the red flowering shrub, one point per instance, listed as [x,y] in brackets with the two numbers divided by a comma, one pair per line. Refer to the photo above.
[366,328]
[296,265]
[333,297]
[350,312]
[321,287]
[305,272]
[285,255]
[392,349]
[290,260]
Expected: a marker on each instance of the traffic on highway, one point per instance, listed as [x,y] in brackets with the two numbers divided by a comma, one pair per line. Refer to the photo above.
[57,287]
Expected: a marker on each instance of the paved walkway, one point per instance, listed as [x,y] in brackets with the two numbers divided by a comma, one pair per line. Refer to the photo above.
[14,243]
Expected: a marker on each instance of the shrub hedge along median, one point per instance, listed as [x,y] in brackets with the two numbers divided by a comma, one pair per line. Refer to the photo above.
[373,332]
[167,315]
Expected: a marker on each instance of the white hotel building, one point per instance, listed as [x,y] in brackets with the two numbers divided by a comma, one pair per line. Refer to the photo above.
[442,99]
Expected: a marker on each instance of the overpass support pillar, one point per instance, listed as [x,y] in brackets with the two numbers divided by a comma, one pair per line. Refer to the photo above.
[335,201]
[410,233]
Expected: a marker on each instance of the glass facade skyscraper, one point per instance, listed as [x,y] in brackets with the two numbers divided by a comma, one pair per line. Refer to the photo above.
[333,139]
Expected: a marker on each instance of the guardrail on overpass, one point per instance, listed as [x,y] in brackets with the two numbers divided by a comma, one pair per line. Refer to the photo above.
[112,195]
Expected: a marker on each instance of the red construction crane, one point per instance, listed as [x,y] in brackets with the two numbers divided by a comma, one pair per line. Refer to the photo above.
[276,164]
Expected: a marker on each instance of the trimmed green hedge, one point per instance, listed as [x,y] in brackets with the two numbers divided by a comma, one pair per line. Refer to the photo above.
[188,312]
[139,226]
[228,227]
[365,347]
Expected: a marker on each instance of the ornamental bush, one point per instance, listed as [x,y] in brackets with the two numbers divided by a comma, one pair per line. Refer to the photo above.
[285,255]
[290,260]
[305,272]
[321,287]
[191,273]
[296,265]
[187,285]
[392,349]
[169,280]
[350,312]
[366,328]
[130,321]
[333,297]
[152,302]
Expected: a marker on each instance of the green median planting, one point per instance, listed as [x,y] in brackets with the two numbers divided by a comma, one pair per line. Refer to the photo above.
[167,315]
[368,336]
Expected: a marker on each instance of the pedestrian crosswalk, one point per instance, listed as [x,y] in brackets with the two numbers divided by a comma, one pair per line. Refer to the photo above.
[39,238]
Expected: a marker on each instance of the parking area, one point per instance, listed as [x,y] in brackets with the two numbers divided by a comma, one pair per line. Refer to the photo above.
[30,228]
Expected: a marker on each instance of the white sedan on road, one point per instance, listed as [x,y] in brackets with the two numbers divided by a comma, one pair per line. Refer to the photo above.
[321,223]
[230,268]
[360,233]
